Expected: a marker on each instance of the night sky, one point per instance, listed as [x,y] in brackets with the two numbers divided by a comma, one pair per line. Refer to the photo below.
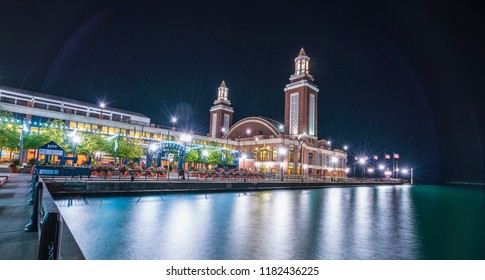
[394,76]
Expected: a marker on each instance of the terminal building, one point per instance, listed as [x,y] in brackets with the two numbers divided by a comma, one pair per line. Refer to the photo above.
[292,147]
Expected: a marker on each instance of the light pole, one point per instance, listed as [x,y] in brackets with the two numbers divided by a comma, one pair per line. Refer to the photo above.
[362,162]
[321,151]
[75,140]
[244,156]
[152,148]
[25,129]
[381,168]
[404,173]
[371,171]
[412,178]
[205,153]
[301,140]
[282,152]
[185,138]
[173,121]
[102,105]
[334,161]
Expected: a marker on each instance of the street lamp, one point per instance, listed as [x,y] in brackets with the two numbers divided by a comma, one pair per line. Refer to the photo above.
[282,152]
[75,140]
[244,156]
[173,121]
[205,153]
[151,150]
[321,151]
[346,148]
[102,105]
[184,138]
[334,161]
[301,140]
[362,162]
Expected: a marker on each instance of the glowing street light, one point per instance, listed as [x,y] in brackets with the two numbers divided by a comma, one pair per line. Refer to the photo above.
[404,171]
[102,105]
[362,160]
[381,166]
[205,153]
[346,148]
[282,152]
[186,138]
[244,156]
[173,120]
[153,147]
[370,170]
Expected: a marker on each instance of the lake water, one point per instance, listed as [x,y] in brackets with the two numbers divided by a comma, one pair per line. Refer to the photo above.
[380,222]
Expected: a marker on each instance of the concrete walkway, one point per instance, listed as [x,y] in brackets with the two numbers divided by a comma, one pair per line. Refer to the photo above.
[15,243]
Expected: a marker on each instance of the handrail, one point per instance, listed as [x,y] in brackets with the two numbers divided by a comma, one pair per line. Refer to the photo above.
[46,220]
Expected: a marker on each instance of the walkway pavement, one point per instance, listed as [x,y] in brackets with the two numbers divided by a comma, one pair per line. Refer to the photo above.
[15,243]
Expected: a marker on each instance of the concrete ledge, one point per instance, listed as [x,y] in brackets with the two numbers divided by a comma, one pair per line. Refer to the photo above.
[120,187]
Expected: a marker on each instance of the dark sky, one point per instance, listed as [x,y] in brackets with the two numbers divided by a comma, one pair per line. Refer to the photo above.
[394,76]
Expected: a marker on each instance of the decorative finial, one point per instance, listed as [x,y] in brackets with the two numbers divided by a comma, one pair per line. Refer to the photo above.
[302,52]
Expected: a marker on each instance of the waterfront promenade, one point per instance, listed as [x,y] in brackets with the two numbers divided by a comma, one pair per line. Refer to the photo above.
[15,243]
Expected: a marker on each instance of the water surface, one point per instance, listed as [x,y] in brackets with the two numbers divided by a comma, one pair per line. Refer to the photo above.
[380,222]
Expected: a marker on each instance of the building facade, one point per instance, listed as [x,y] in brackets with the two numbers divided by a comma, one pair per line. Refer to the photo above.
[258,143]
[292,146]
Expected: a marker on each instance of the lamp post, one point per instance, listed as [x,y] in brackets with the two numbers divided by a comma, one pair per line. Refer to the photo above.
[321,151]
[102,105]
[152,148]
[334,161]
[362,162]
[282,152]
[381,168]
[301,140]
[173,121]
[371,171]
[205,153]
[75,140]
[25,129]
[186,139]
[404,173]
[244,156]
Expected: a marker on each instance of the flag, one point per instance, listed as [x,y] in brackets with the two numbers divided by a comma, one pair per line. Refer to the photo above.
[387,156]
[356,158]
[366,157]
[376,157]
[396,155]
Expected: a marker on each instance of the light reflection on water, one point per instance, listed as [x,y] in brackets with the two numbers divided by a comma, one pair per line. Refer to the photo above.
[331,223]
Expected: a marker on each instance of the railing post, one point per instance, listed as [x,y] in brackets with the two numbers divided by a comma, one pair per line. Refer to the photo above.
[33,225]
[35,179]
[50,237]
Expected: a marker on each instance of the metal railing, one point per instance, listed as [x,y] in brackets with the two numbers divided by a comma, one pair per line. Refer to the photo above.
[44,219]
[134,175]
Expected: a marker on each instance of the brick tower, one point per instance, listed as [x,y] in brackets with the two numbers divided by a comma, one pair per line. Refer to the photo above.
[301,99]
[221,113]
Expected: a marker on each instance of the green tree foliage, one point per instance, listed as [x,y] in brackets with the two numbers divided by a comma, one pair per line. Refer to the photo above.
[193,156]
[92,143]
[229,160]
[35,140]
[9,132]
[126,149]
[58,134]
[214,157]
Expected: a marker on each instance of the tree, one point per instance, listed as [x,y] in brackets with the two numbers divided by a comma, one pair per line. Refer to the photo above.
[91,143]
[126,149]
[214,157]
[192,156]
[9,134]
[35,140]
